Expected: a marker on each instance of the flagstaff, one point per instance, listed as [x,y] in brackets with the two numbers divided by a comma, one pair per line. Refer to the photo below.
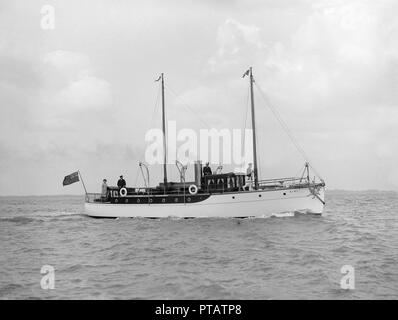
[84,186]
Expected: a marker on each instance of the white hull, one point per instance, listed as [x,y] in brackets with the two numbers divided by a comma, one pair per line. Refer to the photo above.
[227,205]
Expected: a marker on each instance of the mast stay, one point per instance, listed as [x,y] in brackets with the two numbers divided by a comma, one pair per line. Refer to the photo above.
[249,73]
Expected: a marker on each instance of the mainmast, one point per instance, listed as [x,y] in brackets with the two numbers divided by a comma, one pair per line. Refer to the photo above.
[254,130]
[164,137]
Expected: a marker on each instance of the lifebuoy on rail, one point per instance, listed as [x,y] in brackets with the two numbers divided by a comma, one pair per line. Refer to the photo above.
[193,189]
[123,192]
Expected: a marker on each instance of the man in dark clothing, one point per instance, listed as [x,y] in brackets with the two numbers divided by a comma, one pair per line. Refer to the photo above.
[121,183]
[207,170]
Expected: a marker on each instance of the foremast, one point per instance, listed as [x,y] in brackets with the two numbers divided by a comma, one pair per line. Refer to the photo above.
[255,167]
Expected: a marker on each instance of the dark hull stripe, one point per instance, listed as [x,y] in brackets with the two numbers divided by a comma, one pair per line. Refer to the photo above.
[160,199]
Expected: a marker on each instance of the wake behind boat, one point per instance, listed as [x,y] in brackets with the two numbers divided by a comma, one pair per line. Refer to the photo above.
[211,195]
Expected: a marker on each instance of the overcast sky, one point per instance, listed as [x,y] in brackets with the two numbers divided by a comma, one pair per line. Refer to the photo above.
[81,96]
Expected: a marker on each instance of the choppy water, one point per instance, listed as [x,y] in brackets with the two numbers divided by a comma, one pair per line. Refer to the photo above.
[297,257]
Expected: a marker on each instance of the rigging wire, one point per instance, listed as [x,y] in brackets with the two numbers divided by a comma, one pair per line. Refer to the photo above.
[247,107]
[247,114]
[258,153]
[200,118]
[266,100]
[286,129]
[245,119]
[186,105]
[155,108]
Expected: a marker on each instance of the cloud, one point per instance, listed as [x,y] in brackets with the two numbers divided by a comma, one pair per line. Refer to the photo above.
[68,63]
[234,42]
[75,87]
[81,95]
[334,81]
[87,92]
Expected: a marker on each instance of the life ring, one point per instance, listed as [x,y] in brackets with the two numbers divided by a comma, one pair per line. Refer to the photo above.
[123,192]
[193,189]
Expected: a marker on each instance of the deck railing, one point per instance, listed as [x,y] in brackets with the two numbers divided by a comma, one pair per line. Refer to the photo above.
[286,183]
[270,184]
[93,197]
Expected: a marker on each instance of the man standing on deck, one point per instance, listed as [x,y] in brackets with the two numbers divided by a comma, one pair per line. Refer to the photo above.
[249,175]
[249,172]
[207,170]
[121,183]
[104,190]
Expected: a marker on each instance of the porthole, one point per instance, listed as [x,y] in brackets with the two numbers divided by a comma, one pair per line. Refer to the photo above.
[150,200]
[189,199]
[233,197]
[138,200]
[259,195]
[284,193]
[163,200]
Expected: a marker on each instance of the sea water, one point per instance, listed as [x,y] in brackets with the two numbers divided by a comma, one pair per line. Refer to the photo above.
[290,256]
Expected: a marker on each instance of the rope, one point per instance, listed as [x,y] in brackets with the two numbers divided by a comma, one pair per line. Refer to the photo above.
[315,194]
[247,108]
[317,174]
[185,104]
[156,106]
[246,113]
[286,129]
[266,100]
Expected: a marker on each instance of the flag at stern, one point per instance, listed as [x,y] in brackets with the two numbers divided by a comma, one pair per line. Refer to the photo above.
[72,178]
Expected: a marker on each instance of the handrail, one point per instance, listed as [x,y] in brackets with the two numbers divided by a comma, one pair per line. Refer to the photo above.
[281,183]
[92,197]
[280,179]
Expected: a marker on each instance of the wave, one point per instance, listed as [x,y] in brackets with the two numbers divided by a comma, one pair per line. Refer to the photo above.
[19,219]
[25,219]
[283,214]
